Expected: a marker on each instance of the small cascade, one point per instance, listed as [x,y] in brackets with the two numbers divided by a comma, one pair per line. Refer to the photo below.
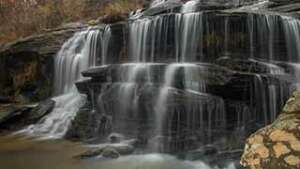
[198,114]
[250,24]
[226,35]
[292,32]
[188,36]
[149,38]
[77,54]
[130,79]
[69,62]
[105,42]
[262,29]
[161,104]
[128,91]
[139,38]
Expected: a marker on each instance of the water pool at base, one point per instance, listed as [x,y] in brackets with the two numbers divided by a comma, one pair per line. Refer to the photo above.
[26,153]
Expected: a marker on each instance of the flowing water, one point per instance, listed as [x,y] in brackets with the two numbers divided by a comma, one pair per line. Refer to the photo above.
[17,153]
[77,54]
[190,81]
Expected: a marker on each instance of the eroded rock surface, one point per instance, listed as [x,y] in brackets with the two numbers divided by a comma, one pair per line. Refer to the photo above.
[276,146]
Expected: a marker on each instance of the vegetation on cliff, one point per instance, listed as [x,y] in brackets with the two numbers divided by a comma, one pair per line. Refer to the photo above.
[21,18]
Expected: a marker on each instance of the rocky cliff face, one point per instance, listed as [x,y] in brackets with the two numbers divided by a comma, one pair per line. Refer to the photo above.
[276,146]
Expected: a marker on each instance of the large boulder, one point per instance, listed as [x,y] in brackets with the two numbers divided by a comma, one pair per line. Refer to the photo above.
[276,146]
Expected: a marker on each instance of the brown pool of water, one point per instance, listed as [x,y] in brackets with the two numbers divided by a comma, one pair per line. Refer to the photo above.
[17,152]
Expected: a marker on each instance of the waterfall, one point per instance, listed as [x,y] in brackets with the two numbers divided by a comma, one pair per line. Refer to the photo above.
[149,37]
[174,78]
[77,54]
[139,37]
[162,101]
[188,35]
[105,42]
[69,62]
[128,87]
[292,32]
[250,22]
[227,34]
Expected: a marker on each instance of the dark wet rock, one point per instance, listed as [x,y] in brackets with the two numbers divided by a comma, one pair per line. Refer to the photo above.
[89,126]
[85,126]
[10,112]
[208,150]
[40,111]
[108,151]
[250,65]
[284,1]
[26,65]
[286,7]
[89,154]
[109,19]
[162,7]
[5,100]
[115,138]
[14,117]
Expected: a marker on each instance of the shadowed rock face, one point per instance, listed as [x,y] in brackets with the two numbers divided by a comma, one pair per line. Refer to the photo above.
[277,145]
[15,117]
[26,65]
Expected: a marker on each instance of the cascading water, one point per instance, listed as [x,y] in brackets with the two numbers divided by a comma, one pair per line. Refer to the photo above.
[188,36]
[77,54]
[197,79]
[105,44]
[161,104]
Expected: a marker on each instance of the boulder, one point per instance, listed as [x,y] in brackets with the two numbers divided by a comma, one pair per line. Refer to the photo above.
[115,138]
[276,146]
[108,151]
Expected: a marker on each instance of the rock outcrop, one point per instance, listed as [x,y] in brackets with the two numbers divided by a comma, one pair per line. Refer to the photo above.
[15,117]
[26,65]
[108,151]
[276,146]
